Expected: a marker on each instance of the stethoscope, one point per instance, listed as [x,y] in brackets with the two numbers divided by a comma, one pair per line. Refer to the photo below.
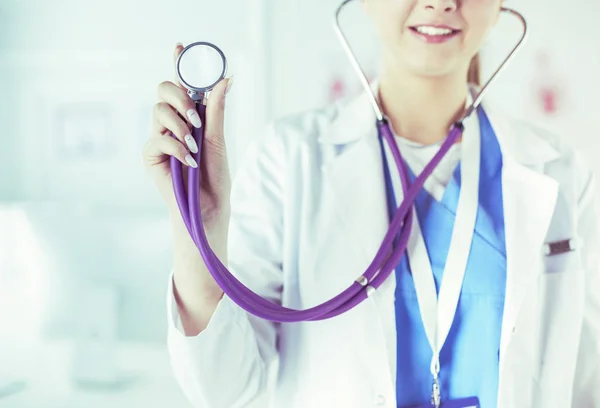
[200,67]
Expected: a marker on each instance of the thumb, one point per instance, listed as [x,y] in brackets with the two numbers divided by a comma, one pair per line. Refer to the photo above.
[176,52]
[215,111]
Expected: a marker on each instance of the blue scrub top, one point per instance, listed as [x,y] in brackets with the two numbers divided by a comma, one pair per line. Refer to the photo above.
[470,357]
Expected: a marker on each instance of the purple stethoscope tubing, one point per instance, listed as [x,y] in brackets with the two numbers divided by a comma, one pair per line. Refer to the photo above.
[353,295]
[380,268]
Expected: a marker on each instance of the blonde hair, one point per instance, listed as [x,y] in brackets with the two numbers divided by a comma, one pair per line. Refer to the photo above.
[474,75]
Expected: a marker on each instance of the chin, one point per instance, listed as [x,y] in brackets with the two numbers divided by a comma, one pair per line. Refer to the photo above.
[432,72]
[433,68]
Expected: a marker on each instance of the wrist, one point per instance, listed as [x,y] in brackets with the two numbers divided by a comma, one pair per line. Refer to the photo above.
[215,228]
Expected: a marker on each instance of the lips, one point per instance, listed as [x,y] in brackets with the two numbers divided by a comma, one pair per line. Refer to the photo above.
[433,33]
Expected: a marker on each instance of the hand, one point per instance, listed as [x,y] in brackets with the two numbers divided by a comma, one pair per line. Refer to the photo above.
[175,114]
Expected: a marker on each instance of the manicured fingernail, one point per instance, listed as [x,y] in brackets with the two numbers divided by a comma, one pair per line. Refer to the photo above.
[194,118]
[229,83]
[191,143]
[190,160]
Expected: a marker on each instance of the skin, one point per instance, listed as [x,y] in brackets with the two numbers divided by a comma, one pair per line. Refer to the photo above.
[196,292]
[423,87]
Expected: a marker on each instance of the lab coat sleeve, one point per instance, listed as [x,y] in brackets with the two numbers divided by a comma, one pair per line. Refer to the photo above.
[227,365]
[586,387]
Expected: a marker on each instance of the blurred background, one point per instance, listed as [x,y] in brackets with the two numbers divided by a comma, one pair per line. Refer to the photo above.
[84,239]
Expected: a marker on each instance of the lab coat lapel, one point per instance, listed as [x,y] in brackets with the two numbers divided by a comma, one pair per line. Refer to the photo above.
[354,173]
[529,198]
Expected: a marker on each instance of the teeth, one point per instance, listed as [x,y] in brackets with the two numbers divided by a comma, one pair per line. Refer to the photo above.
[433,30]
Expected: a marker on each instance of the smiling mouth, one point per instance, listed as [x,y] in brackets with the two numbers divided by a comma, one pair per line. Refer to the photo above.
[434,34]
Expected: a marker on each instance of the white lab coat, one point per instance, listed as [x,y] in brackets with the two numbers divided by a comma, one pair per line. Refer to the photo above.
[309,213]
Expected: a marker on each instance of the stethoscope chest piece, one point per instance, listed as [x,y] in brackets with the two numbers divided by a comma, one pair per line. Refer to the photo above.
[199,67]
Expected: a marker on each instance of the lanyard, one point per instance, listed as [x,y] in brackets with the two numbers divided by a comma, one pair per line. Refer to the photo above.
[438,314]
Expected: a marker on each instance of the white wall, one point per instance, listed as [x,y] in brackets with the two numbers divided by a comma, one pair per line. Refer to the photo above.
[113,54]
[564,30]
[99,217]
[83,227]
[305,54]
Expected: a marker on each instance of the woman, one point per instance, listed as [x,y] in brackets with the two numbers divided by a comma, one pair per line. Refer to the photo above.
[309,209]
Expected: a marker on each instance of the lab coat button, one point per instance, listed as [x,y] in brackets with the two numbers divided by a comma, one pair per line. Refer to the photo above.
[380,400]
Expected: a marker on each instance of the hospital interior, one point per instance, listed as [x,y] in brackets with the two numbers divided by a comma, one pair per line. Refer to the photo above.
[85,249]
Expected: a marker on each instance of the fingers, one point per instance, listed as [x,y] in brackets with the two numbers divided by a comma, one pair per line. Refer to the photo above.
[179,99]
[159,148]
[175,101]
[215,112]
[167,119]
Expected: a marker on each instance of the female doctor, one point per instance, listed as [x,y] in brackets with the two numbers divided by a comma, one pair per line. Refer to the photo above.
[309,209]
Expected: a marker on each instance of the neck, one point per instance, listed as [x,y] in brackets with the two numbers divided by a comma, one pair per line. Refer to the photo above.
[422,109]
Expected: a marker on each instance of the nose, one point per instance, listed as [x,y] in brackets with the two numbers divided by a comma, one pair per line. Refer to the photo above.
[441,5]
